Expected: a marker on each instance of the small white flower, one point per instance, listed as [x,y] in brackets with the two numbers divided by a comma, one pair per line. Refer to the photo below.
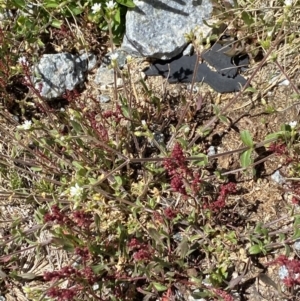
[22,60]
[96,8]
[110,4]
[95,286]
[76,191]
[288,2]
[293,124]
[114,56]
[25,126]
[144,123]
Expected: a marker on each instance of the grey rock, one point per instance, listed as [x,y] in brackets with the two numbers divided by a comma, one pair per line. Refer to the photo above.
[103,98]
[211,151]
[156,28]
[121,58]
[87,61]
[278,178]
[297,244]
[57,73]
[283,272]
[104,76]
[188,50]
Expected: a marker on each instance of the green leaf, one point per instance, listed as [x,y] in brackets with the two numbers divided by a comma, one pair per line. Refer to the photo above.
[155,235]
[119,181]
[247,18]
[285,128]
[183,247]
[127,3]
[67,245]
[246,158]
[296,234]
[125,112]
[36,168]
[216,110]
[160,287]
[297,220]
[77,165]
[77,127]
[75,10]
[251,89]
[255,249]
[56,24]
[117,17]
[51,4]
[223,119]
[19,3]
[246,138]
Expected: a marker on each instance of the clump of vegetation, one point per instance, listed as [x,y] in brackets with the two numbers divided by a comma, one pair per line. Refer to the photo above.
[127,201]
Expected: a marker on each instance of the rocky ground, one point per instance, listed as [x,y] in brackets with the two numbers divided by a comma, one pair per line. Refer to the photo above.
[261,199]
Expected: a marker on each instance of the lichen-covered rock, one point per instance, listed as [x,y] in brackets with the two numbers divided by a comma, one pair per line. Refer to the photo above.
[57,73]
[156,28]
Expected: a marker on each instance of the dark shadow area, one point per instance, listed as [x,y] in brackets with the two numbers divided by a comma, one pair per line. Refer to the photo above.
[181,69]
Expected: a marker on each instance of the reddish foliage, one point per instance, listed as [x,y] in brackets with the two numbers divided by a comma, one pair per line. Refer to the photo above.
[62,294]
[71,96]
[82,219]
[278,149]
[84,253]
[142,250]
[293,267]
[220,203]
[177,169]
[56,216]
[170,213]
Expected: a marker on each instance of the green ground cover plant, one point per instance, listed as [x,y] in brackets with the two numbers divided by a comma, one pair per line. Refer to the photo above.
[116,213]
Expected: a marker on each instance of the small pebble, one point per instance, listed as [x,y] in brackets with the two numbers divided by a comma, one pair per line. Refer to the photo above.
[177,237]
[283,272]
[211,151]
[284,83]
[195,88]
[297,245]
[103,98]
[277,177]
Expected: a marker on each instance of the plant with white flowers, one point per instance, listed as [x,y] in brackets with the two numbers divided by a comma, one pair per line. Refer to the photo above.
[96,8]
[76,191]
[22,61]
[110,5]
[293,124]
[288,2]
[25,126]
[114,57]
